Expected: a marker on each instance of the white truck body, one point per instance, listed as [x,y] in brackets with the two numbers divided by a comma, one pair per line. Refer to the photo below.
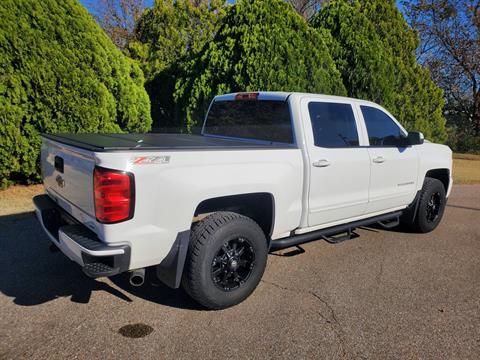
[311,187]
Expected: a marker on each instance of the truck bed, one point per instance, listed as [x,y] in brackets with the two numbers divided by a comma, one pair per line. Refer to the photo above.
[122,142]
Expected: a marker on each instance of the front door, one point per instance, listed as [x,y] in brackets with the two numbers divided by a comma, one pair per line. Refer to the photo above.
[394,166]
[339,167]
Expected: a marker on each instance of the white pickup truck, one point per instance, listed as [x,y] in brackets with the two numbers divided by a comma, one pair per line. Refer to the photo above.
[269,171]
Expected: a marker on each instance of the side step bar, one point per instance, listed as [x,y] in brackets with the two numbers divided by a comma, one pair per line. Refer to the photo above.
[384,220]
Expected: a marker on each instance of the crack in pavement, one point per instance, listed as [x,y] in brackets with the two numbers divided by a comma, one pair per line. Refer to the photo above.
[378,276]
[332,320]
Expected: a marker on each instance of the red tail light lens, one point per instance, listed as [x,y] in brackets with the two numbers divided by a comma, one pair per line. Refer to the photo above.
[114,195]
[247,96]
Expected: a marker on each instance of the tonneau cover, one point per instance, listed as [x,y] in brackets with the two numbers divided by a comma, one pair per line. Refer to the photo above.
[119,142]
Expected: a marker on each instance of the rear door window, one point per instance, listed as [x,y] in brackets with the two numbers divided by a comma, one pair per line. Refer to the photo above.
[333,125]
[266,120]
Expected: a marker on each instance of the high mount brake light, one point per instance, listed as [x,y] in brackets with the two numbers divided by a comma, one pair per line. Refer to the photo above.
[114,193]
[247,96]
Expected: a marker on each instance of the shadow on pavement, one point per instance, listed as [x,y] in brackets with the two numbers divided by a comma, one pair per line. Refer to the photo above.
[31,274]
[155,291]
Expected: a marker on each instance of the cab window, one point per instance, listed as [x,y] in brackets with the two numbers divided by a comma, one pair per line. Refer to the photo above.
[382,130]
[266,120]
[333,125]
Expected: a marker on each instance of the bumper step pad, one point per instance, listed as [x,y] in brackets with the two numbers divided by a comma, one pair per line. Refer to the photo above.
[95,270]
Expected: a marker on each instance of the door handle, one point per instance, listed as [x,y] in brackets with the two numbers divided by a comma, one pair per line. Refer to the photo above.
[322,163]
[379,160]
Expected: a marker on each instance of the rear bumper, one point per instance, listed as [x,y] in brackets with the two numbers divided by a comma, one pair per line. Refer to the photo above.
[79,243]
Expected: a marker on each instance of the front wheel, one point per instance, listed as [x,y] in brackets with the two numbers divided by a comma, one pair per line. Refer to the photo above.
[431,206]
[225,260]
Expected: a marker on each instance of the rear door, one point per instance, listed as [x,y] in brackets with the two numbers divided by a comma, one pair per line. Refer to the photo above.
[339,166]
[394,166]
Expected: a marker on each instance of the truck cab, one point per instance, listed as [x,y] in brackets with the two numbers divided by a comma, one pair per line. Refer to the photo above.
[359,160]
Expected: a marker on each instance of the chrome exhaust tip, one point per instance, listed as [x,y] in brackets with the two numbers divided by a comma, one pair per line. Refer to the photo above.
[137,277]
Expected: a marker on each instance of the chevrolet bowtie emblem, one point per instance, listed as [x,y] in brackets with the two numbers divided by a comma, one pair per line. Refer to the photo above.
[60,181]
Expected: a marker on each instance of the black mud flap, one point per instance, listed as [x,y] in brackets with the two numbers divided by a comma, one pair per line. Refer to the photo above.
[170,269]
[409,214]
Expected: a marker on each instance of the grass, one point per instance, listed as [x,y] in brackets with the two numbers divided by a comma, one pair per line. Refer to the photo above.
[18,199]
[466,169]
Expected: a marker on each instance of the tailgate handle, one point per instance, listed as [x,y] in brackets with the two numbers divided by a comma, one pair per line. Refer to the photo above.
[59,164]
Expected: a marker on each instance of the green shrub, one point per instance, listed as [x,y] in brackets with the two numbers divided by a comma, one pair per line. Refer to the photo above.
[60,72]
[168,35]
[374,49]
[261,45]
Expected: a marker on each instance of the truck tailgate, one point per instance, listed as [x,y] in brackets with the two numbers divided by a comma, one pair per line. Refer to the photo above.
[68,173]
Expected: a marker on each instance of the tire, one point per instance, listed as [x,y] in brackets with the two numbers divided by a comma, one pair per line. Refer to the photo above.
[225,261]
[431,206]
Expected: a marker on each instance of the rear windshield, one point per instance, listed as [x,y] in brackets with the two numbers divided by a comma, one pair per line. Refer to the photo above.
[267,120]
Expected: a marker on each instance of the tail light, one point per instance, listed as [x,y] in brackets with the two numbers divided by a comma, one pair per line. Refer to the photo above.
[114,195]
[247,96]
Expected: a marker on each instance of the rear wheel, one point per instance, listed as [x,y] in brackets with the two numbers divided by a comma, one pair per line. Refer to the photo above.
[431,206]
[225,261]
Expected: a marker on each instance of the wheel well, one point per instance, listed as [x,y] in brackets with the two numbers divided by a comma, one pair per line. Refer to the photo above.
[260,207]
[440,174]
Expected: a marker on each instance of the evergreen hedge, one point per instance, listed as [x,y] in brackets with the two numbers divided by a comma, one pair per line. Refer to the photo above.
[59,72]
[167,36]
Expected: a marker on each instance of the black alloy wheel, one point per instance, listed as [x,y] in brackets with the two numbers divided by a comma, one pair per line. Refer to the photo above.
[233,264]
[434,205]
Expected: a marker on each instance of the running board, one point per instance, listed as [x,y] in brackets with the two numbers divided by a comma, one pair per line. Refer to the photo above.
[328,234]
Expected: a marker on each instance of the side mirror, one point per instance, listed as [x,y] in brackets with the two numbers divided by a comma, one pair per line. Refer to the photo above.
[415,138]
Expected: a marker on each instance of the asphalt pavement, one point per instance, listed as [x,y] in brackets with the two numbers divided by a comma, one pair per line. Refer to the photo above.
[383,295]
